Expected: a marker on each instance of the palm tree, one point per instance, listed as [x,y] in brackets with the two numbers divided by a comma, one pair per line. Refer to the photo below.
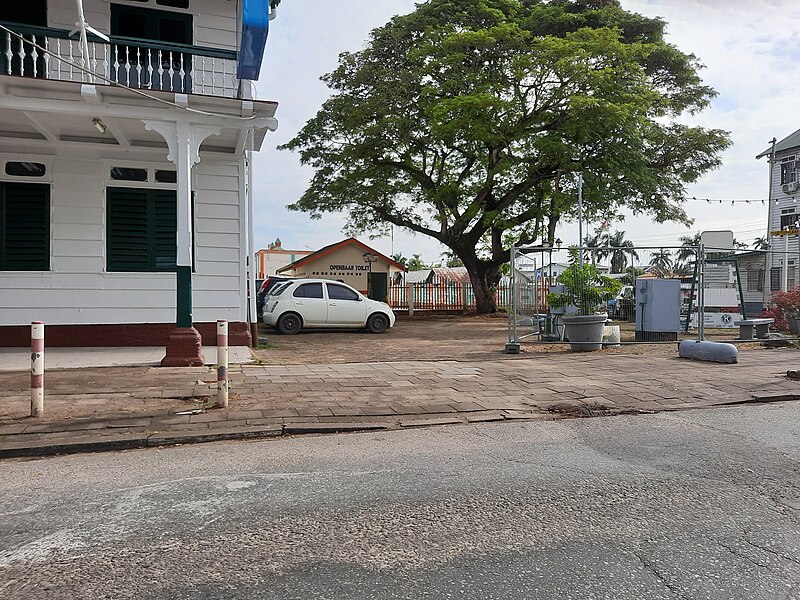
[596,243]
[761,243]
[661,260]
[415,263]
[399,258]
[619,251]
[688,251]
[451,260]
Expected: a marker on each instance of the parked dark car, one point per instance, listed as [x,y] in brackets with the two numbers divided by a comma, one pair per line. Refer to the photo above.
[270,282]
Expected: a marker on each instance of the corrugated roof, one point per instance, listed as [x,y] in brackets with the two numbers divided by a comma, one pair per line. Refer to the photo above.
[420,276]
[451,273]
[787,143]
[458,274]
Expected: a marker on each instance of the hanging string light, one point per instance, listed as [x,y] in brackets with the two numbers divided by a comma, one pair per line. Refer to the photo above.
[723,200]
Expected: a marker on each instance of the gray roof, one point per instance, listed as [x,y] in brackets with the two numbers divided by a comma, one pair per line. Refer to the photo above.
[787,143]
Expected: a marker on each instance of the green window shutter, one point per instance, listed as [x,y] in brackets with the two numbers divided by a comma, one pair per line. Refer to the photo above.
[24,227]
[127,230]
[141,229]
[165,222]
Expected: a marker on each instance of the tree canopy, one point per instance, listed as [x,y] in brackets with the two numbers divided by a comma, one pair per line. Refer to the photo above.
[468,120]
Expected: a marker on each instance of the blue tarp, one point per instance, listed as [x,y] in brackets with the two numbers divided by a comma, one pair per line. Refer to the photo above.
[255,27]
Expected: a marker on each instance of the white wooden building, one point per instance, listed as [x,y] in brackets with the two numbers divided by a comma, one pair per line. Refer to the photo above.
[783,158]
[124,185]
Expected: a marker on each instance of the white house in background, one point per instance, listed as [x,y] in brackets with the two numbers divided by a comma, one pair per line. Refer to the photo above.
[125,196]
[783,158]
[551,271]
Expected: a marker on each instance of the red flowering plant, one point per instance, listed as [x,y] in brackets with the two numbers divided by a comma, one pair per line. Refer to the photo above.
[784,306]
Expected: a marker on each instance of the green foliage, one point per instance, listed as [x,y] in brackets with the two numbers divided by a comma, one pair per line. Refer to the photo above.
[450,260]
[586,289]
[631,274]
[468,121]
[661,260]
[761,243]
[399,258]
[415,263]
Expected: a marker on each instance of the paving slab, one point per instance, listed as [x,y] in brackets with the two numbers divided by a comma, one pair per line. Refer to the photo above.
[112,408]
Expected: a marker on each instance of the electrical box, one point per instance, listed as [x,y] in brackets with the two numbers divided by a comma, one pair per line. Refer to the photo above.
[658,309]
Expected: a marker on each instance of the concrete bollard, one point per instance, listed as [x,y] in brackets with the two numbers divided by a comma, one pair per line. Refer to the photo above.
[222,363]
[37,369]
[710,351]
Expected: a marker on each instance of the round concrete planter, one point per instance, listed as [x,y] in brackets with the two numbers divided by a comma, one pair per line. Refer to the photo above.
[584,332]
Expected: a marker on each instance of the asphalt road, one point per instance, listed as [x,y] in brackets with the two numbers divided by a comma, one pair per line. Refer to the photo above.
[698,504]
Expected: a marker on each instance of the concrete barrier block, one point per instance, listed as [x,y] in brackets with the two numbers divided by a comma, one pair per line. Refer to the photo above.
[709,351]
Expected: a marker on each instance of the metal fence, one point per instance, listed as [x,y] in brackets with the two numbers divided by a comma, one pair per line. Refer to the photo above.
[649,294]
[663,293]
[443,296]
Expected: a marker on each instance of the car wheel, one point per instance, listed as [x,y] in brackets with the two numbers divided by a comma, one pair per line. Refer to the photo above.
[290,323]
[378,323]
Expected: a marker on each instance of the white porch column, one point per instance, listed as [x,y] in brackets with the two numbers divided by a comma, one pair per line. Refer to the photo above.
[183,141]
[184,345]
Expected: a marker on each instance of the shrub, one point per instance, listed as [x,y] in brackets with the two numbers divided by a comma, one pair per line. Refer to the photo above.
[586,289]
[784,305]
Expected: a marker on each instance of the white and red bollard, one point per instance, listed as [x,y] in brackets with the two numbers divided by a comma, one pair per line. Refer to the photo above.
[37,369]
[222,363]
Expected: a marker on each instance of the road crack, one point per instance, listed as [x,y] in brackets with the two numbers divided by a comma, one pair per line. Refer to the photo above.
[670,587]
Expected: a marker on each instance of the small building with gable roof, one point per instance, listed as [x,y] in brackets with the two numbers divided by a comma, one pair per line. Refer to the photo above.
[352,262]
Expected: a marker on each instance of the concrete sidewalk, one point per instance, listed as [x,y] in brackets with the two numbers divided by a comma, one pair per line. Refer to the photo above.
[19,359]
[116,408]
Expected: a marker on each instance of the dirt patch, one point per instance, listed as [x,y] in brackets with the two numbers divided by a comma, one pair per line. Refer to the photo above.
[425,338]
[446,337]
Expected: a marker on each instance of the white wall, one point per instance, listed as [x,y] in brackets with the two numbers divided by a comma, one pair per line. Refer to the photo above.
[78,290]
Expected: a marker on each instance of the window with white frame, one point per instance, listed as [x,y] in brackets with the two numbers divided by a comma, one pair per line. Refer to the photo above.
[788,170]
[755,280]
[788,218]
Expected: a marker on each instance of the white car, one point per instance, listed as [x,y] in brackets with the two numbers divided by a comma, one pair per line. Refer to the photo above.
[313,303]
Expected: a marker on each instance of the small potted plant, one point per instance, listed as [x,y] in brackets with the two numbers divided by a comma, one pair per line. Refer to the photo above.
[585,300]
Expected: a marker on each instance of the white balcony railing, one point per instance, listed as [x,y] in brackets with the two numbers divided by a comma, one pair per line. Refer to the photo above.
[141,64]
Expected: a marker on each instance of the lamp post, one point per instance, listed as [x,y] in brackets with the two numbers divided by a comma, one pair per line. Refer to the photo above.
[369,258]
[580,218]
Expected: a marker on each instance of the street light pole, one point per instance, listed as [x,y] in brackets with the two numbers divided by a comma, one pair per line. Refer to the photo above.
[580,218]
[369,258]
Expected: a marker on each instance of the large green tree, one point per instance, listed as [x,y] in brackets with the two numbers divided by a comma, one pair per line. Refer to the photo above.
[468,121]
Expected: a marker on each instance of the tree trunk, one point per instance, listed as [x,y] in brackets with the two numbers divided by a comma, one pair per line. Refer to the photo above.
[483,274]
[484,284]
[552,223]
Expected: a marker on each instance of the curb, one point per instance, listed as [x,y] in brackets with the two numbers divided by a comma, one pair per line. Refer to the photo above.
[12,449]
[152,439]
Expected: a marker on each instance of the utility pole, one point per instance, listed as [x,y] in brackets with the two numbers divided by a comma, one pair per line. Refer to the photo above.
[768,259]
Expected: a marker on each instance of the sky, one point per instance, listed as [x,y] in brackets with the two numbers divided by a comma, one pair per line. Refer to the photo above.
[751,53]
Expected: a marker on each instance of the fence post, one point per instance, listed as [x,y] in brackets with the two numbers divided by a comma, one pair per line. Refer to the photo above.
[410,293]
[222,363]
[464,296]
[37,369]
